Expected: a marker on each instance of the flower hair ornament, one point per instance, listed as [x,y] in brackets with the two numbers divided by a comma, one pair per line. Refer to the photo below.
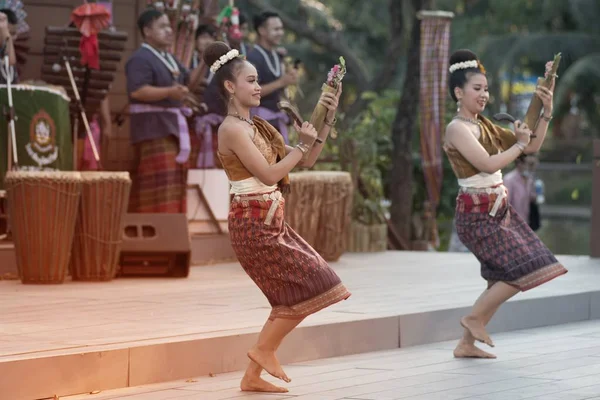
[224,59]
[464,65]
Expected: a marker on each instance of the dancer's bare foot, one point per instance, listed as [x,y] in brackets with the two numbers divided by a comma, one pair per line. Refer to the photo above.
[268,361]
[477,329]
[257,384]
[467,350]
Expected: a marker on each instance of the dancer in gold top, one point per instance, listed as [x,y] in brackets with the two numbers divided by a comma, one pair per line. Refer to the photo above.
[291,274]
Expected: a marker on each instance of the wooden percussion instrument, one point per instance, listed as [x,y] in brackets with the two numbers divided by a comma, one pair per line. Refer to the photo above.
[319,209]
[335,213]
[303,204]
[99,227]
[42,208]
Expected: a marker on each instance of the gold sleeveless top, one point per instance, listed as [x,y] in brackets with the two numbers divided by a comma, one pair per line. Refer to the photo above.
[494,139]
[270,144]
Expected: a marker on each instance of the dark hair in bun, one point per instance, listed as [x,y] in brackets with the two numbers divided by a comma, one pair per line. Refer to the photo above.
[459,77]
[227,72]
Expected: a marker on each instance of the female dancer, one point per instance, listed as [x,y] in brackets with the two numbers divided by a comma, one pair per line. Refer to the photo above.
[294,278]
[512,257]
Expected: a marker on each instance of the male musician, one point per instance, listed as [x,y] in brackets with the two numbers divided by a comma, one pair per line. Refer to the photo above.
[8,34]
[273,79]
[159,132]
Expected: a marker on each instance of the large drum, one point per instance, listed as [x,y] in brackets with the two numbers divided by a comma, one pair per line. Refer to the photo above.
[319,208]
[43,129]
[42,209]
[335,215]
[99,227]
[303,204]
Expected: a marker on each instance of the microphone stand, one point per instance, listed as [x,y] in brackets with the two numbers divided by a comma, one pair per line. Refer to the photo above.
[81,112]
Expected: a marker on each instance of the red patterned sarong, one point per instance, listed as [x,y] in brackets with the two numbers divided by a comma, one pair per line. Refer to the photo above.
[159,182]
[507,248]
[296,280]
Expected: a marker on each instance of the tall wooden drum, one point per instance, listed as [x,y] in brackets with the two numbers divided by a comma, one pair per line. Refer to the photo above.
[303,203]
[42,208]
[98,232]
[335,213]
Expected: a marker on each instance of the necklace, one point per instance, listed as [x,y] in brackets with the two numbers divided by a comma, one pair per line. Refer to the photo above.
[166,59]
[469,120]
[249,121]
[275,70]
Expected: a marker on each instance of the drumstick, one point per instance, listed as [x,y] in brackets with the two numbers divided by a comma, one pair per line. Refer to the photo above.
[82,111]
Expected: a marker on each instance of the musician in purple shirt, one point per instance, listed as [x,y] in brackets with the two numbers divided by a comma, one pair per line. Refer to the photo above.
[156,84]
[271,75]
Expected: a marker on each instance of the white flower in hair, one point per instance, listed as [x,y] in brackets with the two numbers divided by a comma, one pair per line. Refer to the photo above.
[463,65]
[224,59]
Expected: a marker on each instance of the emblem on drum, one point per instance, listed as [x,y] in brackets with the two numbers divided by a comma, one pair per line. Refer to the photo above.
[42,139]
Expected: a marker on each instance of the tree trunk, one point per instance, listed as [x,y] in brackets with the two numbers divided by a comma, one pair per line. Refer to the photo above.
[404,126]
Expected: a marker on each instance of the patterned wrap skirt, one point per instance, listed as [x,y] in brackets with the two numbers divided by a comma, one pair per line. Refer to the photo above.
[296,280]
[158,183]
[508,250]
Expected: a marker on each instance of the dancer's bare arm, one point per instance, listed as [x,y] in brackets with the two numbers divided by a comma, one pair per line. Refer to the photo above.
[254,161]
[459,137]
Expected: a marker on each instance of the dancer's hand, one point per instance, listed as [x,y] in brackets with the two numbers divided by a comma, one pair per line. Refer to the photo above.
[307,134]
[546,95]
[522,132]
[331,101]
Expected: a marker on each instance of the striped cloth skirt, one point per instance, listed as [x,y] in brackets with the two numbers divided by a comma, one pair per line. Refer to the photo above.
[158,182]
[508,250]
[295,279]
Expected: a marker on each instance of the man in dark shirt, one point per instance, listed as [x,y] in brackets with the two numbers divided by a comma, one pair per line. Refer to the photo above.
[8,34]
[159,132]
[271,75]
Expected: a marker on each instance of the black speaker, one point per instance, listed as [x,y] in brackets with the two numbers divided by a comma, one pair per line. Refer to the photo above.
[155,245]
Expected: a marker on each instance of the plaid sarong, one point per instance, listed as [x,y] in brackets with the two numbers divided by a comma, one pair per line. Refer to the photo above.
[507,248]
[296,280]
[158,182]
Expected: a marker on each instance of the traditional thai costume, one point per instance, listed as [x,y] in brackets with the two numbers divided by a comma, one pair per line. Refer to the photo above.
[296,280]
[508,250]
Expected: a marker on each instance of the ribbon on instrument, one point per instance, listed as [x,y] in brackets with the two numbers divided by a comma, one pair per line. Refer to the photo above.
[90,18]
[269,115]
[184,132]
[204,125]
[90,54]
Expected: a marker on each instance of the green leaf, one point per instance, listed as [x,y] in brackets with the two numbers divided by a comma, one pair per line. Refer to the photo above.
[575,194]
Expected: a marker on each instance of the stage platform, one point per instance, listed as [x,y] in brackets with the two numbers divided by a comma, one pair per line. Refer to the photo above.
[82,337]
[207,249]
